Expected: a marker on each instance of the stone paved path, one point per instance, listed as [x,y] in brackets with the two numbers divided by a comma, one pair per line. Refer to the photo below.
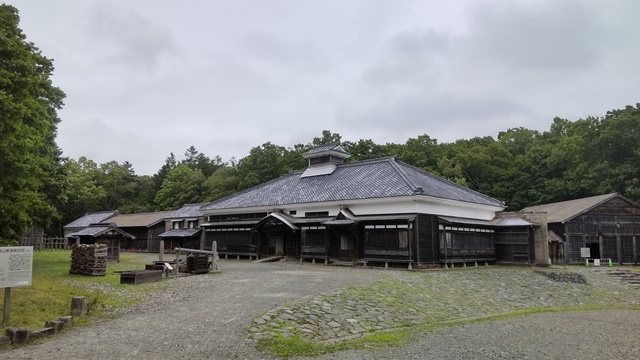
[439,296]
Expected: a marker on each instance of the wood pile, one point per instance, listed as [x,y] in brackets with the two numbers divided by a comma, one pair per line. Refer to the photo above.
[89,260]
[198,264]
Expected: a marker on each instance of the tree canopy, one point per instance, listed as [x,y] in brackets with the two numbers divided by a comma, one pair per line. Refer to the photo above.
[32,175]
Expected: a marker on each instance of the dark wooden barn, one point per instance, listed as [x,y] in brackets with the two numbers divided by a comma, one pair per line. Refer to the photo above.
[607,225]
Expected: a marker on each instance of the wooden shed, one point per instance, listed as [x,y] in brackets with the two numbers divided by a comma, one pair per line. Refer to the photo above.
[108,234]
[607,225]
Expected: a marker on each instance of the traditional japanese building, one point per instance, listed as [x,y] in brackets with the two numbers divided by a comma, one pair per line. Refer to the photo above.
[183,228]
[376,211]
[607,225]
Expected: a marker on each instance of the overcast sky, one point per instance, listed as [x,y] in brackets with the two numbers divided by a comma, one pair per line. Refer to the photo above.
[145,78]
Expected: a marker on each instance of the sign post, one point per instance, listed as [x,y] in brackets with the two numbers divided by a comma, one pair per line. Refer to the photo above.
[16,264]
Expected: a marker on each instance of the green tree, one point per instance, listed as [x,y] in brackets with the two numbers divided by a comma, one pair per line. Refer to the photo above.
[263,163]
[182,185]
[422,152]
[29,156]
[84,193]
[365,150]
[197,160]
[119,181]
[619,149]
[169,163]
[327,138]
[221,183]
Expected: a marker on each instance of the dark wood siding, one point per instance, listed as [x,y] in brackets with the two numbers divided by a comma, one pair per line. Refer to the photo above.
[611,230]
[514,244]
[427,235]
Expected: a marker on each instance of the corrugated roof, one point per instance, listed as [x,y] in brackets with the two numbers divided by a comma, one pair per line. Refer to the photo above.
[567,210]
[92,218]
[371,179]
[187,211]
[140,219]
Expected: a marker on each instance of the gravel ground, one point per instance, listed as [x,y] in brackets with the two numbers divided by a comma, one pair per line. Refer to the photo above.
[207,317]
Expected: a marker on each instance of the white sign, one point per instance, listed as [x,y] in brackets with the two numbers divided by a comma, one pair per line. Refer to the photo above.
[596,262]
[168,266]
[585,252]
[16,264]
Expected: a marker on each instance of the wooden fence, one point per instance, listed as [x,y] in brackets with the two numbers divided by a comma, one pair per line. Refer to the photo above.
[44,244]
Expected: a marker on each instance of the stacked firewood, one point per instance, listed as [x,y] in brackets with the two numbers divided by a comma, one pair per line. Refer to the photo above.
[198,264]
[89,260]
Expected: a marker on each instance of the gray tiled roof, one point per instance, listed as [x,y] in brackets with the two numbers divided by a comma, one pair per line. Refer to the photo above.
[333,147]
[140,219]
[372,179]
[180,233]
[92,218]
[187,211]
[567,210]
[98,230]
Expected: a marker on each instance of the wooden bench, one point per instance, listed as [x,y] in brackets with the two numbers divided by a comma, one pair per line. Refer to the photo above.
[313,253]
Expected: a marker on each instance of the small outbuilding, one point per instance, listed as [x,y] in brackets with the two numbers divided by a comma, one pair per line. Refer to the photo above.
[607,225]
[183,228]
[108,234]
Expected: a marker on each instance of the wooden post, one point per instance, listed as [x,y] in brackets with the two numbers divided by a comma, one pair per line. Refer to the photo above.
[635,250]
[618,244]
[214,250]
[78,306]
[161,250]
[7,303]
[203,239]
[175,269]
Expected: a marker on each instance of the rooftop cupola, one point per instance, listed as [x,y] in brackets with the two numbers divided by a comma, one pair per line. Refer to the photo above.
[323,159]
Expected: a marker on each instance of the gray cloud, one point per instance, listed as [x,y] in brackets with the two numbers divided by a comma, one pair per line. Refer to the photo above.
[147,78]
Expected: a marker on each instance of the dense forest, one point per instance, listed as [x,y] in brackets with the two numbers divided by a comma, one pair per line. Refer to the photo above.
[522,167]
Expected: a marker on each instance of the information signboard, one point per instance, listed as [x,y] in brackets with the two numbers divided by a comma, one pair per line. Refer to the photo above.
[585,252]
[16,264]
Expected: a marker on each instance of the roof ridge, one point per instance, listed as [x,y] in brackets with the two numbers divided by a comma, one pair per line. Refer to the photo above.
[236,194]
[394,163]
[449,182]
[604,196]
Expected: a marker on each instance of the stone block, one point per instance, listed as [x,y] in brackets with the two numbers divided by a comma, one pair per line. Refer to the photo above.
[4,340]
[18,335]
[40,333]
[66,320]
[57,325]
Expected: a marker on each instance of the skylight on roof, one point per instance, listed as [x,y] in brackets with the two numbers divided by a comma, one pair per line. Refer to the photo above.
[318,170]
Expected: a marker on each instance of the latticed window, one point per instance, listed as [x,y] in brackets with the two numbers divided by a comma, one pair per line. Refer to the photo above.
[388,238]
[313,238]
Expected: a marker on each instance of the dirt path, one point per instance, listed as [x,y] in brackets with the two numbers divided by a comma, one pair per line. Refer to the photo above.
[206,317]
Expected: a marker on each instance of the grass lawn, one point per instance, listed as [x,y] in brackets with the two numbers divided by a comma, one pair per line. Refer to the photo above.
[49,296]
